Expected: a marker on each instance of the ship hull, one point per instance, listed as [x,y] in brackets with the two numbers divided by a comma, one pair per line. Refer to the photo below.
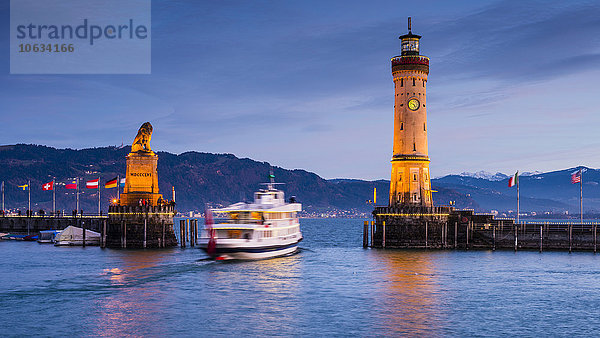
[251,251]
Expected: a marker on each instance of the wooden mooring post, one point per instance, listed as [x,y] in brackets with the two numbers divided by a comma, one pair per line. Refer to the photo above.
[516,236]
[83,228]
[192,234]
[426,244]
[104,234]
[595,237]
[366,234]
[196,230]
[467,245]
[442,235]
[570,237]
[182,232]
[445,241]
[383,230]
[372,231]
[145,231]
[541,235]
[455,234]
[494,236]
[163,234]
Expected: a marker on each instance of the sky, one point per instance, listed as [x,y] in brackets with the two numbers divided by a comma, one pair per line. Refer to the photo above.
[513,85]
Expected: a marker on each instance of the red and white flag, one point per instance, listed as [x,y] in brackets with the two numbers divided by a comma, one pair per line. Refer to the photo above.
[576,177]
[48,186]
[513,180]
[93,184]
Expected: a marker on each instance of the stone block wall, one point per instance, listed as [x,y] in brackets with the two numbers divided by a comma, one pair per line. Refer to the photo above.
[140,227]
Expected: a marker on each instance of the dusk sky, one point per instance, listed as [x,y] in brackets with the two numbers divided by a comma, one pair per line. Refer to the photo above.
[513,85]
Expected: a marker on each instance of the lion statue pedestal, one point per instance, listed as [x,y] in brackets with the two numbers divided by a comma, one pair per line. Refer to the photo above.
[141,180]
[141,218]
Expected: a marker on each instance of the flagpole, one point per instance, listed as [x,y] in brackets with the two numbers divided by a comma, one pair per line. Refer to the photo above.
[29,195]
[77,206]
[98,196]
[581,195]
[3,197]
[54,196]
[118,187]
[518,200]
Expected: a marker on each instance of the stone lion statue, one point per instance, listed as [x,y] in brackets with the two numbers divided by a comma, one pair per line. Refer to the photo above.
[141,143]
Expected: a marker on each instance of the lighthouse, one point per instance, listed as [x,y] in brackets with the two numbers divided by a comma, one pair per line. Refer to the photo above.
[410,183]
[411,220]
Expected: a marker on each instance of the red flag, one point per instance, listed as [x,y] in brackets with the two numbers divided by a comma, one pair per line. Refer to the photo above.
[576,177]
[48,186]
[513,180]
[72,185]
[211,248]
[93,184]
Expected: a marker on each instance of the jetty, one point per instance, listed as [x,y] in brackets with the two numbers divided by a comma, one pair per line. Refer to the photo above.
[448,228]
[27,225]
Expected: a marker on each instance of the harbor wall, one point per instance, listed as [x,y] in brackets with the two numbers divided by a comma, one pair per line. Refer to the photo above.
[24,225]
[448,228]
[140,226]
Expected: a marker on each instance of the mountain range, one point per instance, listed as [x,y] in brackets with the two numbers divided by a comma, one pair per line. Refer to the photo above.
[221,179]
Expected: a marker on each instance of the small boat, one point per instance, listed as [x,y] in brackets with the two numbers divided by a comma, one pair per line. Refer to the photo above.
[13,237]
[30,238]
[265,228]
[47,236]
[74,236]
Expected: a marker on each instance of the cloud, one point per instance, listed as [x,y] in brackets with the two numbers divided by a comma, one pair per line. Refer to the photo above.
[515,41]
[226,73]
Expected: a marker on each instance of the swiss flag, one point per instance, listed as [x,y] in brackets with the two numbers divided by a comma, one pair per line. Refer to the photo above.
[48,186]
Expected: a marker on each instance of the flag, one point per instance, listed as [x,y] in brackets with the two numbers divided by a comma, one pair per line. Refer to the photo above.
[72,185]
[513,180]
[211,248]
[576,177]
[48,186]
[93,184]
[111,184]
[122,183]
[24,187]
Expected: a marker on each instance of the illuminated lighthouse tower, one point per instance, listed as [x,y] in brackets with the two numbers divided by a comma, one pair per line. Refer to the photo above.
[410,183]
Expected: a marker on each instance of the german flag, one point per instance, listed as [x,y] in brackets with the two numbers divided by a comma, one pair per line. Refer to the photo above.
[111,184]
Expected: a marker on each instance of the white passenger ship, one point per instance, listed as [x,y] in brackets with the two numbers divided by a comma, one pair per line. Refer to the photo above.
[266,228]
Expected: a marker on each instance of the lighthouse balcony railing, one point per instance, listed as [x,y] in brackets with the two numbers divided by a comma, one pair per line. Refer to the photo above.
[410,59]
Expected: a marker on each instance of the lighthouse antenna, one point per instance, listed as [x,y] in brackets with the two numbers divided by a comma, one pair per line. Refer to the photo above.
[409,24]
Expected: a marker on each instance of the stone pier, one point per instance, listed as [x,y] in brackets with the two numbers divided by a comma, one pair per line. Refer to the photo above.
[420,227]
[141,227]
[141,218]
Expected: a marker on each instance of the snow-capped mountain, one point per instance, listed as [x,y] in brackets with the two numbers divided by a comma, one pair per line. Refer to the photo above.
[485,175]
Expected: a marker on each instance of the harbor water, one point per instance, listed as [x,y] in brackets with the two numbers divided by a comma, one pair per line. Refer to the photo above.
[333,287]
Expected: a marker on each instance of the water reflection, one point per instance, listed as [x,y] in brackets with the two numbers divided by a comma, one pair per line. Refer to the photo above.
[135,302]
[262,295]
[408,296]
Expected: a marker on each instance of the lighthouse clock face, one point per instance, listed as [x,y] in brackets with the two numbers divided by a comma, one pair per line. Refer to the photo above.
[413,104]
